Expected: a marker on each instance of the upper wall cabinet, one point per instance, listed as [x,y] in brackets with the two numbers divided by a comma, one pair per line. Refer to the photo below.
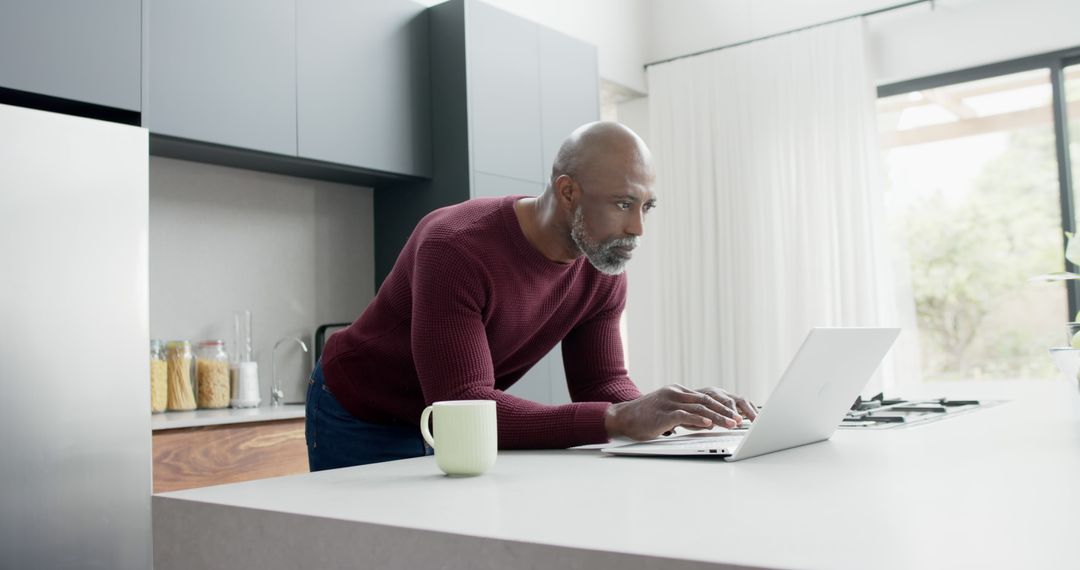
[569,90]
[223,72]
[84,51]
[529,87]
[363,86]
[504,92]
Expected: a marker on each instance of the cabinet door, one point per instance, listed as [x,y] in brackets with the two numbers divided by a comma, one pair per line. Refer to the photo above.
[362,90]
[85,51]
[504,93]
[569,88]
[546,381]
[214,455]
[535,385]
[560,394]
[223,72]
[491,186]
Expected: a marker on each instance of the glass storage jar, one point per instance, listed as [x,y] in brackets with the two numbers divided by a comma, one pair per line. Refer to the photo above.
[159,392]
[212,374]
[180,388]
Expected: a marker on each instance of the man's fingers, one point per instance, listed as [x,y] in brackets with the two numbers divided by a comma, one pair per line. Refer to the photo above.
[717,418]
[685,418]
[716,400]
[720,403]
[747,408]
[717,405]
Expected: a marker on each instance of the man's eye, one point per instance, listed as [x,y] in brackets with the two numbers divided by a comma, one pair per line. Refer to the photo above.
[649,207]
[624,205]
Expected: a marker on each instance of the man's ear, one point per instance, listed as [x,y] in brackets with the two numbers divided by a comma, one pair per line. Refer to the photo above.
[566,191]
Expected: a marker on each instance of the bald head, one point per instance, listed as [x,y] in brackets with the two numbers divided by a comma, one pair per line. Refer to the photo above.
[599,150]
[600,191]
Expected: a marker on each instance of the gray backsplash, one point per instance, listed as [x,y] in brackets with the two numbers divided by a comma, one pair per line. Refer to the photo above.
[296,252]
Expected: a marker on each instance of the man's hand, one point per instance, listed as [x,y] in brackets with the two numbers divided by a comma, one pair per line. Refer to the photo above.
[661,411]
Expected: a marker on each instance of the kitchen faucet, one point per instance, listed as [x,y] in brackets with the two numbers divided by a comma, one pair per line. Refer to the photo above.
[277,394]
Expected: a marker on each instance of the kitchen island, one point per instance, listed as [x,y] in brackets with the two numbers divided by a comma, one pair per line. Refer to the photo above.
[225,416]
[996,488]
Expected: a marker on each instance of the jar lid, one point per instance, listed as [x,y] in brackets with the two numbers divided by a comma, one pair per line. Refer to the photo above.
[178,344]
[215,342]
[156,343]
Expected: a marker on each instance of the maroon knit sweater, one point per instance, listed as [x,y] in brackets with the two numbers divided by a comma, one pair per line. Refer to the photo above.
[468,308]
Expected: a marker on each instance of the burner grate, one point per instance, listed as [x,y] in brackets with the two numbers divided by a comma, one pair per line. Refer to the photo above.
[883,413]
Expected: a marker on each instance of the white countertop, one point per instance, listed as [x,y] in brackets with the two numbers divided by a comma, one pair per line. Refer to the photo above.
[996,488]
[199,418]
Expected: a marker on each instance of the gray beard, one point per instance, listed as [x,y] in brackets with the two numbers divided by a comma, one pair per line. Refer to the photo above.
[600,254]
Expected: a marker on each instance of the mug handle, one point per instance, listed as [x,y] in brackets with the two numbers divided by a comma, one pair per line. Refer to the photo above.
[424,431]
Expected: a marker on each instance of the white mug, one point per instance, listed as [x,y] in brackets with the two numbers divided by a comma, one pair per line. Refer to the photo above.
[466,438]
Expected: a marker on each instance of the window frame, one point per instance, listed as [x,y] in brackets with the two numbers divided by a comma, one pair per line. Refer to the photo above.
[1055,62]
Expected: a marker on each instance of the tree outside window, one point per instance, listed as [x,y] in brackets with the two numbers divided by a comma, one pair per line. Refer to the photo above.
[974,208]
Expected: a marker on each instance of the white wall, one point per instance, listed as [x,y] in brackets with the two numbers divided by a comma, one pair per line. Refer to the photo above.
[905,44]
[908,43]
[296,252]
[965,33]
[679,27]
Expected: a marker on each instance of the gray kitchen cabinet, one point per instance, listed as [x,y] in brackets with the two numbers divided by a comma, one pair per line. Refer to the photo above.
[524,99]
[363,84]
[223,72]
[504,92]
[84,51]
[559,392]
[490,185]
[546,381]
[569,89]
[535,385]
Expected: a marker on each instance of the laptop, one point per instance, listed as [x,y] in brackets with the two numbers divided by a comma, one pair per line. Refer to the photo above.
[826,375]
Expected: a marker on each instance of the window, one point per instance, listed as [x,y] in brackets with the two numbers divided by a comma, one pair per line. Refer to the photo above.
[974,202]
[1072,97]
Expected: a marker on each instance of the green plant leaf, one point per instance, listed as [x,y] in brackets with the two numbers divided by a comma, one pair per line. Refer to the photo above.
[1057,276]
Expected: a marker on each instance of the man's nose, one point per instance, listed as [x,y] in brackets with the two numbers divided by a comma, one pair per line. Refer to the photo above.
[636,227]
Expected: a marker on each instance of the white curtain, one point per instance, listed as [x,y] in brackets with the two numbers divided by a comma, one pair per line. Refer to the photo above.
[770,213]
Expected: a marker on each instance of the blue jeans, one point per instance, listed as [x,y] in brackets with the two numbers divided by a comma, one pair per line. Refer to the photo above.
[335,438]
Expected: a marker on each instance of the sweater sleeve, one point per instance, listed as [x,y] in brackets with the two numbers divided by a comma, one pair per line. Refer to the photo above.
[453,359]
[593,355]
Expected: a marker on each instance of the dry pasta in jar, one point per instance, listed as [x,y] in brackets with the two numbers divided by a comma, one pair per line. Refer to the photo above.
[178,358]
[159,370]
[212,374]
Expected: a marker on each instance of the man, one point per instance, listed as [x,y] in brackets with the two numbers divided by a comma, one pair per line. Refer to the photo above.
[481,291]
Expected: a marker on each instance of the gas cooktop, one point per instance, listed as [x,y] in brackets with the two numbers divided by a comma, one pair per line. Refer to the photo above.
[884,413]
